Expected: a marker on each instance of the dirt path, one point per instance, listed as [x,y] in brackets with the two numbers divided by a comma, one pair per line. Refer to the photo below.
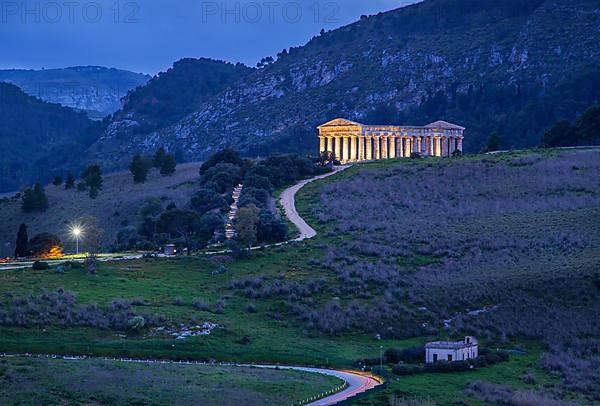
[288,203]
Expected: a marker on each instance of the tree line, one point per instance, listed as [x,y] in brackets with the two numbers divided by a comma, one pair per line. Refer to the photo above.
[140,165]
[202,220]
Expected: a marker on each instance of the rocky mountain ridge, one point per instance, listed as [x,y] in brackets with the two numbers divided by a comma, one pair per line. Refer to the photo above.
[504,66]
[93,89]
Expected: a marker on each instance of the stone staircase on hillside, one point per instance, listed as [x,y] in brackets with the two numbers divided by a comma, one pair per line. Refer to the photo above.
[233,210]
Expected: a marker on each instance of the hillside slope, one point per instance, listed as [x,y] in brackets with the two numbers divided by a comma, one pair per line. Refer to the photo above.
[508,66]
[162,102]
[504,247]
[37,137]
[93,89]
[116,207]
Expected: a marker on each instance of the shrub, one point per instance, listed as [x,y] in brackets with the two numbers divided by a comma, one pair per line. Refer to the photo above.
[404,369]
[411,354]
[446,367]
[219,270]
[220,307]
[207,199]
[40,265]
[44,244]
[368,361]
[201,305]
[73,265]
[136,322]
[60,308]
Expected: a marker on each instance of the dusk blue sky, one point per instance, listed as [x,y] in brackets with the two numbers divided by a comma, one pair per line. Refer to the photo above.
[148,36]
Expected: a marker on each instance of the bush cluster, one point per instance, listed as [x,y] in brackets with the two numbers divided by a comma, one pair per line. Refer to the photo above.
[60,308]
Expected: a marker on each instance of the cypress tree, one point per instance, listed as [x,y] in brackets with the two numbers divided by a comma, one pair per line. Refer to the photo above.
[168,165]
[93,179]
[159,157]
[34,199]
[493,143]
[21,244]
[70,182]
[41,199]
[139,169]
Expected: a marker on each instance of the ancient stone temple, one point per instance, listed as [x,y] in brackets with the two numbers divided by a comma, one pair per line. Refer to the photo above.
[355,142]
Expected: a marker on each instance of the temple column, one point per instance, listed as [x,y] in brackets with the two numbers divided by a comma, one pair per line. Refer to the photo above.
[322,142]
[384,147]
[330,146]
[452,146]
[338,148]
[361,148]
[392,146]
[369,151]
[444,146]
[418,144]
[376,153]
[459,144]
[351,147]
[344,149]
[430,146]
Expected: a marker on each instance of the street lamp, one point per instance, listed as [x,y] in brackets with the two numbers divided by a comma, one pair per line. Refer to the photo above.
[76,232]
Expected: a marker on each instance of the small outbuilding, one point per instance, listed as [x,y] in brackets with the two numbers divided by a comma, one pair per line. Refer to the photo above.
[451,351]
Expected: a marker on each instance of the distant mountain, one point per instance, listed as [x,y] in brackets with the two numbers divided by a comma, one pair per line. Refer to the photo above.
[39,140]
[510,66]
[93,89]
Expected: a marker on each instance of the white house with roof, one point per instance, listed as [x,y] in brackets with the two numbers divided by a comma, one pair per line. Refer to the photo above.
[451,351]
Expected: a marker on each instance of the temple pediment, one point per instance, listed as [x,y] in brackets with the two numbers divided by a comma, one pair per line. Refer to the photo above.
[444,125]
[340,122]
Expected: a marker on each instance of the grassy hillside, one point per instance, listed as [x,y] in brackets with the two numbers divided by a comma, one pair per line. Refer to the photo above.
[500,246]
[116,207]
[55,381]
[504,247]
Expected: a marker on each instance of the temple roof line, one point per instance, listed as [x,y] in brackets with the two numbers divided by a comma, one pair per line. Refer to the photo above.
[342,122]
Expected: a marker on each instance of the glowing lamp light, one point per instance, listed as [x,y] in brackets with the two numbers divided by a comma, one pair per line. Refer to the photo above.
[76,232]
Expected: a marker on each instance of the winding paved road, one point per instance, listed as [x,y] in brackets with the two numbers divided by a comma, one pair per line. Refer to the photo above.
[288,203]
[356,382]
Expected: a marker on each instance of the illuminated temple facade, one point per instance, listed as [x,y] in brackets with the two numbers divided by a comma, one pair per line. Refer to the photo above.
[355,142]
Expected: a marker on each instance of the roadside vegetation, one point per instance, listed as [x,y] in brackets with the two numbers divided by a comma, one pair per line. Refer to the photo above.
[94,381]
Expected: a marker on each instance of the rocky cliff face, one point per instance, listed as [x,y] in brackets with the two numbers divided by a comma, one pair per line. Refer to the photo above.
[93,89]
[508,66]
